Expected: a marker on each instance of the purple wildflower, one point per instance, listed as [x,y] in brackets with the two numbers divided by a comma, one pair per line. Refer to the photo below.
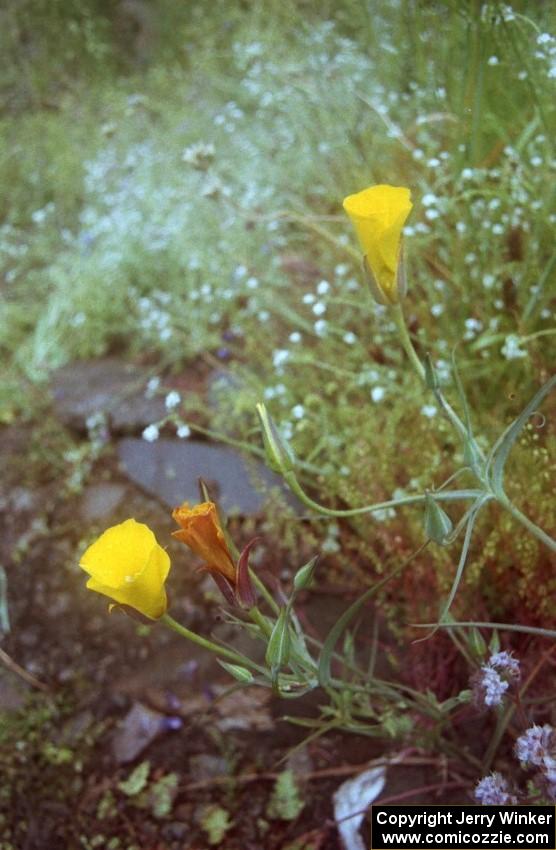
[494,790]
[536,745]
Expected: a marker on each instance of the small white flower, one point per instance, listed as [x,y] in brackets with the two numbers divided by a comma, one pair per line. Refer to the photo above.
[295,336]
[151,433]
[377,394]
[251,283]
[429,199]
[488,281]
[429,410]
[323,287]
[172,400]
[279,357]
[183,431]
[320,327]
[467,174]
[437,309]
[349,338]
[298,412]
[493,60]
[511,349]
[472,327]
[309,298]
[286,429]
[152,386]
[319,309]
[433,162]
[384,514]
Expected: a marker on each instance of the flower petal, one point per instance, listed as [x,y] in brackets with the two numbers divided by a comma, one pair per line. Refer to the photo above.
[201,531]
[127,564]
[378,215]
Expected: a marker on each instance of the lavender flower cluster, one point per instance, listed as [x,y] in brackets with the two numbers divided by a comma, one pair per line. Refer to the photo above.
[494,679]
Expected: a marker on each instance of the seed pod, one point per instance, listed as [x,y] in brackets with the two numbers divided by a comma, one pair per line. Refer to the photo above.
[278,649]
[438,525]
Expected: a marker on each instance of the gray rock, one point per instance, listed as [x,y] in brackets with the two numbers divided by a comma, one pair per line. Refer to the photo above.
[170,469]
[109,387]
[138,729]
[100,501]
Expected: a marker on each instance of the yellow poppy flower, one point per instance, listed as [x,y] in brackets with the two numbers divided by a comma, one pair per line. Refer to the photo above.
[378,215]
[128,565]
[201,531]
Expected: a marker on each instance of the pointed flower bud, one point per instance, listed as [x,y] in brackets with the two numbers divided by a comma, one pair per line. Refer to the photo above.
[242,674]
[304,575]
[279,454]
[378,215]
[476,643]
[438,525]
[278,648]
[200,530]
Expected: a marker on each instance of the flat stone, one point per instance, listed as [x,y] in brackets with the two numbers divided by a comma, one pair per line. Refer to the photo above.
[106,386]
[169,469]
[137,730]
[100,501]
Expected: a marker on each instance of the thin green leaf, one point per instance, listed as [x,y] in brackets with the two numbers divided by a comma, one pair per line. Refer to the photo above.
[461,393]
[502,447]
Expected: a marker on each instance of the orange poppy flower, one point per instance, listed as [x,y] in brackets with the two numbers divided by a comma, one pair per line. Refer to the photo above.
[201,531]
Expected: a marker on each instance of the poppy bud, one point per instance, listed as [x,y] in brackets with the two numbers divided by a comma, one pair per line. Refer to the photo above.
[278,649]
[279,455]
[438,525]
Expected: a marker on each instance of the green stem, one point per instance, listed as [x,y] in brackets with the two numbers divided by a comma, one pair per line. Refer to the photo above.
[398,316]
[263,590]
[405,339]
[260,621]
[501,726]
[205,643]
[446,496]
[509,627]
[529,525]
